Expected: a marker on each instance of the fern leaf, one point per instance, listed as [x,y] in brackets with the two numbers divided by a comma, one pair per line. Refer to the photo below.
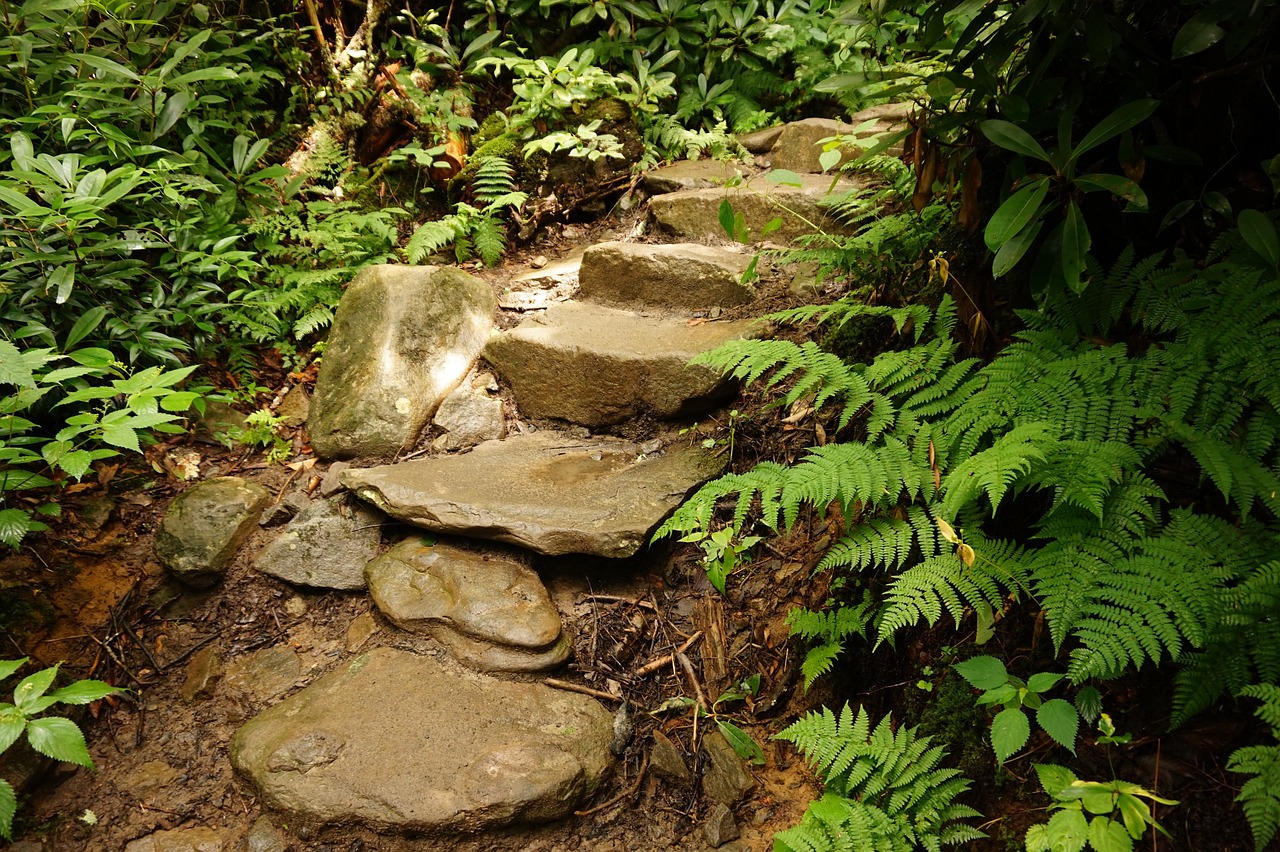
[429,237]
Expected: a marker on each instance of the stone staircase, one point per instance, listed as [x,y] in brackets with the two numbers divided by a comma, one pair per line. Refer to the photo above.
[405,742]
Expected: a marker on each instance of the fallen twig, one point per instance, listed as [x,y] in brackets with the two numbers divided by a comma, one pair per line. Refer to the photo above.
[693,680]
[583,690]
[619,599]
[653,665]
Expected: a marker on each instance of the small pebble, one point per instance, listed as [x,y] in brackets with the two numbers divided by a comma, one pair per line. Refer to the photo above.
[538,262]
[296,607]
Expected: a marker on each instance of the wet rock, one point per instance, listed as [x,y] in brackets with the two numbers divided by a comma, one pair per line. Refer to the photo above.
[570,496]
[361,628]
[402,338]
[264,837]
[800,144]
[294,407]
[204,670]
[598,366]
[180,840]
[326,546]
[267,673]
[666,761]
[483,752]
[204,526]
[720,826]
[469,418]
[693,174]
[147,779]
[683,275]
[726,779]
[485,596]
[694,214]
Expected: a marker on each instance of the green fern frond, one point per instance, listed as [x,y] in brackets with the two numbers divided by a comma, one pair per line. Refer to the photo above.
[885,542]
[490,239]
[994,471]
[1260,795]
[833,627]
[429,237]
[494,178]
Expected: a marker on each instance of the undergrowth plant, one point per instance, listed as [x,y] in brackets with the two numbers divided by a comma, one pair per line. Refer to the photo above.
[473,230]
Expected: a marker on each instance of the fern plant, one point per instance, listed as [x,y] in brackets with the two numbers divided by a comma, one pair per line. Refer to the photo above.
[1260,795]
[473,231]
[883,788]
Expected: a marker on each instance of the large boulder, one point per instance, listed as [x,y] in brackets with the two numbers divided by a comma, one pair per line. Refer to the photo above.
[597,366]
[327,546]
[403,337]
[543,491]
[683,275]
[399,742]
[205,525]
[488,608]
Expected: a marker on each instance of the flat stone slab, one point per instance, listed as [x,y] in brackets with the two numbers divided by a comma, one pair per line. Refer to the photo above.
[538,288]
[397,741]
[488,608]
[402,338]
[694,174]
[680,275]
[543,491]
[326,546]
[205,525]
[597,366]
[695,214]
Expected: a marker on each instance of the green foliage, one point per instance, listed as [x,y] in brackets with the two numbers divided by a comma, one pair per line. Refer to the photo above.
[261,431]
[829,630]
[1119,815]
[52,736]
[1010,729]
[883,788]
[1260,795]
[722,553]
[473,230]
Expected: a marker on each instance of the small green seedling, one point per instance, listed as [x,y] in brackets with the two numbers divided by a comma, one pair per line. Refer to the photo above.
[1011,728]
[1106,816]
[721,553]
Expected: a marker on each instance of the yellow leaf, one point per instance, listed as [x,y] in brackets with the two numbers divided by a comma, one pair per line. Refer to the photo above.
[948,532]
[966,554]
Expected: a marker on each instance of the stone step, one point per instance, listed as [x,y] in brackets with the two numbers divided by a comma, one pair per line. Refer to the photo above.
[694,214]
[485,606]
[597,366]
[397,741]
[543,491]
[678,275]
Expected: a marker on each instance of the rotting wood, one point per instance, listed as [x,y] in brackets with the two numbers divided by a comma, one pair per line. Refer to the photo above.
[666,659]
[708,617]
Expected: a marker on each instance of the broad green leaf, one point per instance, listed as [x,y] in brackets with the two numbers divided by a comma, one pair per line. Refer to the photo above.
[63,373]
[84,692]
[1127,116]
[23,153]
[1175,213]
[1017,211]
[93,356]
[1060,721]
[716,574]
[726,218]
[14,370]
[178,400]
[1038,839]
[1107,835]
[1010,731]
[1043,681]
[12,724]
[201,74]
[105,65]
[1002,694]
[784,177]
[8,807]
[31,687]
[1116,185]
[1198,34]
[829,159]
[15,524]
[76,464]
[1259,234]
[61,280]
[119,435]
[1053,778]
[8,667]
[1068,831]
[13,479]
[743,744]
[983,672]
[1075,245]
[1010,136]
[1136,815]
[60,739]
[768,228]
[87,322]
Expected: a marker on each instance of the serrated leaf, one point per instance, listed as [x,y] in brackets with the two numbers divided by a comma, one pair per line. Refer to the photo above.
[1107,835]
[1037,839]
[1053,778]
[84,692]
[983,672]
[1015,214]
[1069,831]
[1089,704]
[8,807]
[747,748]
[31,687]
[12,724]
[1010,731]
[14,370]
[119,435]
[1059,720]
[60,739]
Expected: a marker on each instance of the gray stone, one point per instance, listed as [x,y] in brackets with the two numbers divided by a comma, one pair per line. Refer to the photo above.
[469,418]
[204,526]
[760,141]
[294,406]
[218,423]
[800,144]
[685,275]
[666,761]
[361,628]
[397,741]
[327,546]
[179,840]
[331,483]
[267,673]
[543,491]
[549,283]
[597,366]
[204,670]
[470,600]
[726,779]
[693,174]
[264,837]
[695,214]
[720,826]
[402,338]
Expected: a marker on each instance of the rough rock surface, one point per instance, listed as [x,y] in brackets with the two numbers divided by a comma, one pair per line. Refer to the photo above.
[727,778]
[483,752]
[571,496]
[695,214]
[538,288]
[469,418]
[180,840]
[760,141]
[205,524]
[693,174]
[482,604]
[597,366]
[682,275]
[402,338]
[327,546]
